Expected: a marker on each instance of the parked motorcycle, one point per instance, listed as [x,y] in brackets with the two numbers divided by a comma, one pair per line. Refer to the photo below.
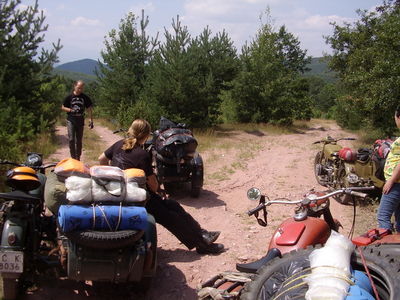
[305,228]
[29,238]
[23,224]
[338,167]
[279,273]
[176,159]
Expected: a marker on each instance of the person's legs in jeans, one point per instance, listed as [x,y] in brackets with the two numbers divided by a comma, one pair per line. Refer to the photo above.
[71,138]
[79,137]
[389,205]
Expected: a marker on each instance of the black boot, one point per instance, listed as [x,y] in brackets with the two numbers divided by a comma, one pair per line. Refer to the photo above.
[210,237]
[213,248]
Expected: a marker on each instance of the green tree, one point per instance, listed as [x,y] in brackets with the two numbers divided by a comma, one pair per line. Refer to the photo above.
[187,75]
[365,57]
[122,73]
[269,87]
[26,88]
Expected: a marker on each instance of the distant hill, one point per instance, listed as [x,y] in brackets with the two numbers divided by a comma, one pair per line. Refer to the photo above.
[85,66]
[319,67]
[85,69]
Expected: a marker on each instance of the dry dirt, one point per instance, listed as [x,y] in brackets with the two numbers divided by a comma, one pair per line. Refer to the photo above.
[282,166]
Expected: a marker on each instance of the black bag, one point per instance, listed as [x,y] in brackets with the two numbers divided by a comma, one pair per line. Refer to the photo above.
[174,140]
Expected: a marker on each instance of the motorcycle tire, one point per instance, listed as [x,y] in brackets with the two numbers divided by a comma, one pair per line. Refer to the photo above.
[342,198]
[197,182]
[319,160]
[105,239]
[269,280]
[10,288]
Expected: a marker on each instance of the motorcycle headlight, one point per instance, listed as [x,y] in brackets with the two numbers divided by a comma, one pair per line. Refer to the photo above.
[353,178]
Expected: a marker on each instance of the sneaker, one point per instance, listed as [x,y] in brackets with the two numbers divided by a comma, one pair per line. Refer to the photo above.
[210,237]
[210,249]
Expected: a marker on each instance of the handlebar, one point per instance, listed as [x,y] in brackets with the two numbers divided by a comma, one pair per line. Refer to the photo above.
[42,167]
[332,140]
[353,191]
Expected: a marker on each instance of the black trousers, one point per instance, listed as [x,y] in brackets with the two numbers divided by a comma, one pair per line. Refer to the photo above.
[75,135]
[175,219]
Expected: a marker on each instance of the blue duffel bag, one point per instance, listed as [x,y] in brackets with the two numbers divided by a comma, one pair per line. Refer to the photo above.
[101,217]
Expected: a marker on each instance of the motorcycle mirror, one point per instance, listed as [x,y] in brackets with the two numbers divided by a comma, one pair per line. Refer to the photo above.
[254,194]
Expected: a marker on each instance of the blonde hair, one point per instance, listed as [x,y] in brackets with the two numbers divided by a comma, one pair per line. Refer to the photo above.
[138,131]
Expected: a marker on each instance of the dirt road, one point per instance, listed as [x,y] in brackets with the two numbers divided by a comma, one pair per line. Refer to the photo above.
[282,166]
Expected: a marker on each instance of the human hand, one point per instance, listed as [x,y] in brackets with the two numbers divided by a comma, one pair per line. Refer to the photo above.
[387,187]
[91,125]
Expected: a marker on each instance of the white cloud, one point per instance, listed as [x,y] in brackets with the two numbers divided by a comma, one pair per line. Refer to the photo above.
[82,21]
[147,7]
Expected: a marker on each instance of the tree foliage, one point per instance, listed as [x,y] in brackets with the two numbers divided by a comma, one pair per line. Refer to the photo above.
[269,87]
[123,71]
[26,90]
[187,75]
[365,56]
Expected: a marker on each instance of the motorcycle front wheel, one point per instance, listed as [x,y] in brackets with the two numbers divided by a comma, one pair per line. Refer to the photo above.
[281,278]
[319,162]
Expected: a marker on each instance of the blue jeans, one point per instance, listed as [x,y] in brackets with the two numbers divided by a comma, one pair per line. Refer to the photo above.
[389,205]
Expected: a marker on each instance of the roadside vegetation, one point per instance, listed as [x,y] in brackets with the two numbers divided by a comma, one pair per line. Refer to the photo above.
[203,81]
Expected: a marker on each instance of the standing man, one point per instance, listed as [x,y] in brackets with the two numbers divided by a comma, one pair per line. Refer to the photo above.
[74,105]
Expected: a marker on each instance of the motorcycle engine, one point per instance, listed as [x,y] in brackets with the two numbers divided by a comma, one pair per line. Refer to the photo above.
[353,178]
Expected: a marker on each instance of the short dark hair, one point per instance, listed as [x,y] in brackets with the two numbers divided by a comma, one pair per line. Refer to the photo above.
[398,111]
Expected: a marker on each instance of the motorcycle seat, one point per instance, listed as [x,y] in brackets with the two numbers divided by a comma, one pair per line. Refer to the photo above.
[255,265]
[20,196]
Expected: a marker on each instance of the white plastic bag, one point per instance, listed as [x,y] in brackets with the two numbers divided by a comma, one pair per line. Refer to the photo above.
[79,188]
[330,269]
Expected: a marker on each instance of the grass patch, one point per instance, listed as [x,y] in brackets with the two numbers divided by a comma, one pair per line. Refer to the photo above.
[92,145]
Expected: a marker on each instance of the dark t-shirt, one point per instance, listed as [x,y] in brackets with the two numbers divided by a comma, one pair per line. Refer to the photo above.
[77,103]
[126,159]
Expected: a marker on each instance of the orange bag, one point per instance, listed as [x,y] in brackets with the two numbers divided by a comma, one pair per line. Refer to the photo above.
[70,166]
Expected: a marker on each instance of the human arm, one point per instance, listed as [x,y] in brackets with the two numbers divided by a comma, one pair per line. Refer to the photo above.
[66,109]
[393,179]
[104,160]
[152,183]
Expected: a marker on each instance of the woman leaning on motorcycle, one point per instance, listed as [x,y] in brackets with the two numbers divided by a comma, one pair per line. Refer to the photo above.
[129,153]
[390,200]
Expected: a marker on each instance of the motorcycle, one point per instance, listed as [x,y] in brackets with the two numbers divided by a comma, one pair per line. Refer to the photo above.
[175,156]
[338,167]
[22,222]
[175,159]
[279,274]
[32,242]
[305,228]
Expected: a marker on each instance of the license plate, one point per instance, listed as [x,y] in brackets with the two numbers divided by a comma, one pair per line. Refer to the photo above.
[11,261]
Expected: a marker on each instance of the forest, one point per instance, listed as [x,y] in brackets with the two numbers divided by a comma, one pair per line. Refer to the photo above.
[202,80]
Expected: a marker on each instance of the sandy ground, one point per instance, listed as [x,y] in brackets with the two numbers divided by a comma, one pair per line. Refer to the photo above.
[281,166]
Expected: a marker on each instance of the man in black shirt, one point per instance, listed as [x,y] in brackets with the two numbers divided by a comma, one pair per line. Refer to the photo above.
[74,105]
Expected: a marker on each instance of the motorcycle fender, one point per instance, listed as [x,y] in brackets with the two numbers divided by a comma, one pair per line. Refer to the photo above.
[17,227]
[294,235]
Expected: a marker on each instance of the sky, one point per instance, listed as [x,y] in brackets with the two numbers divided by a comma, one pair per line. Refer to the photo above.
[83,25]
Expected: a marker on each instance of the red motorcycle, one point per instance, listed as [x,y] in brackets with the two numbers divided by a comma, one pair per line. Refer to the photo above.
[305,228]
[278,272]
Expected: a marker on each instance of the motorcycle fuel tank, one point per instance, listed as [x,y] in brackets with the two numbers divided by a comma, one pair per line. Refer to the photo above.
[293,235]
[329,149]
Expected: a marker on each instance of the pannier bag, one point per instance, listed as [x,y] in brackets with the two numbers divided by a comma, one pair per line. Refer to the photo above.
[347,154]
[108,183]
[71,167]
[135,180]
[79,189]
[101,217]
